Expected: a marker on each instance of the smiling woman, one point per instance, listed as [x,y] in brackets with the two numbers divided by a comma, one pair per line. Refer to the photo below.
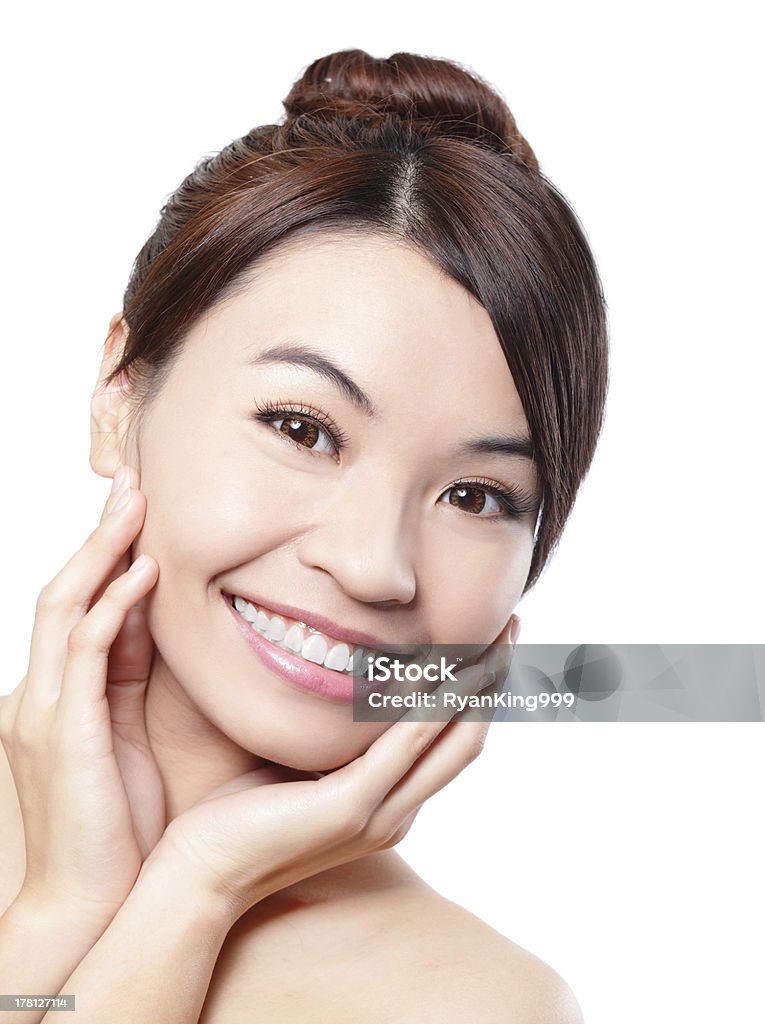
[362,356]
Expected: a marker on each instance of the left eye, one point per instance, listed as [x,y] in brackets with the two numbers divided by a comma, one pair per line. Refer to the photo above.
[474,500]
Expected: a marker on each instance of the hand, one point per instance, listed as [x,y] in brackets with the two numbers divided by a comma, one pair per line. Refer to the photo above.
[90,792]
[273,826]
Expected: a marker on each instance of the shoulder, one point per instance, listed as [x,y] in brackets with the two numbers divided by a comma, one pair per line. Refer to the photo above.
[458,967]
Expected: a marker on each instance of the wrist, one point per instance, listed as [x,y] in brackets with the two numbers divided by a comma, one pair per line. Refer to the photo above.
[36,919]
[172,881]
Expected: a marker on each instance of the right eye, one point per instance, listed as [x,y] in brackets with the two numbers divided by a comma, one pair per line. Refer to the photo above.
[306,428]
[302,432]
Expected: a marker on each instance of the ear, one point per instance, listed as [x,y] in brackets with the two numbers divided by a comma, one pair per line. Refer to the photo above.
[109,407]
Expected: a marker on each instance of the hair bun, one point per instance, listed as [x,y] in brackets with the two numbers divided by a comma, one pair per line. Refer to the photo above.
[437,96]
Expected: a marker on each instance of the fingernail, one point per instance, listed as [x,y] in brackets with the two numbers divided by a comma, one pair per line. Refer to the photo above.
[119,481]
[515,629]
[121,502]
[138,564]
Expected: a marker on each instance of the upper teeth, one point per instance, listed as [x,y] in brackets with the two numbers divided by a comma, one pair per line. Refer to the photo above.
[309,644]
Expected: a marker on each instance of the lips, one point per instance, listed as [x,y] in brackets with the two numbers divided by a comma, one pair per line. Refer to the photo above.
[304,675]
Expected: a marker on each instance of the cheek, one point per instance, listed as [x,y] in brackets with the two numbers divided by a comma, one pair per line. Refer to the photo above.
[473,597]
[212,510]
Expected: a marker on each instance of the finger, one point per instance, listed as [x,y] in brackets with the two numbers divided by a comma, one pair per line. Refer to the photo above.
[84,679]
[451,752]
[9,709]
[515,630]
[457,746]
[445,748]
[371,776]
[65,600]
[394,836]
[125,478]
[494,657]
[127,674]
[454,748]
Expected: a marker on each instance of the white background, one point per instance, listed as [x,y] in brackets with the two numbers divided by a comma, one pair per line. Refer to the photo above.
[628,856]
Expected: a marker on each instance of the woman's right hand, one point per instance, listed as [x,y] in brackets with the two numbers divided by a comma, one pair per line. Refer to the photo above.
[88,785]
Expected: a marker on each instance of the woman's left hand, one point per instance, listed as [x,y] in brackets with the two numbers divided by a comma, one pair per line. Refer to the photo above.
[273,826]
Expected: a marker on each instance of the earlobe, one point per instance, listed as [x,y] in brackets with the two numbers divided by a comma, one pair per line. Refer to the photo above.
[109,406]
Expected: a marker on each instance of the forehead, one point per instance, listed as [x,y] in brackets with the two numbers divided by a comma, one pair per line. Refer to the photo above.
[389,313]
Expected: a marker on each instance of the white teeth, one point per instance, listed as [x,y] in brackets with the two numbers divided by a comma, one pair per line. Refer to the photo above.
[340,657]
[294,638]
[249,613]
[314,649]
[276,629]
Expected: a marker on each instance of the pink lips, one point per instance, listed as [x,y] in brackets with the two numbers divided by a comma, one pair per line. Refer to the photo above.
[302,674]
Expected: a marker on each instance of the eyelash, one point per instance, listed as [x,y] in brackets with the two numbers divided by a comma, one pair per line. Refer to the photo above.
[268,411]
[515,503]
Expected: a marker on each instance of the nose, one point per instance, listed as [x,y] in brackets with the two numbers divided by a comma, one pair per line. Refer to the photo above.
[365,543]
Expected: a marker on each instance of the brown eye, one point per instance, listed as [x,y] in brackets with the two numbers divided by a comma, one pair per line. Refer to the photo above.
[481,499]
[300,431]
[471,499]
[303,426]
[304,433]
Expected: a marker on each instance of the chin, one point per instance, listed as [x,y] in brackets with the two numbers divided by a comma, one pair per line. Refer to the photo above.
[316,755]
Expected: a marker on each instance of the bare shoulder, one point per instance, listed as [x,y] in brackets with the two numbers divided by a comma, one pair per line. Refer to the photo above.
[392,948]
[458,967]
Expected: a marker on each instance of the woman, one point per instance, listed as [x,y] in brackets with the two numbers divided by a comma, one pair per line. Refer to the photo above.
[357,380]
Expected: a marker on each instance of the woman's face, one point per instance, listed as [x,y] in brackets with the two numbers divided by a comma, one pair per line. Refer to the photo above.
[352,515]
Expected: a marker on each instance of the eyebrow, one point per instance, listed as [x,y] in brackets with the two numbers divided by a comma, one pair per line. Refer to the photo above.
[514,445]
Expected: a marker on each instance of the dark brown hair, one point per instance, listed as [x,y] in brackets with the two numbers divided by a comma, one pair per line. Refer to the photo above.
[422,150]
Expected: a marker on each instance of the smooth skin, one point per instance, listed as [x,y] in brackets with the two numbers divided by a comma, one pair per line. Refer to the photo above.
[103,772]
[152,802]
[82,746]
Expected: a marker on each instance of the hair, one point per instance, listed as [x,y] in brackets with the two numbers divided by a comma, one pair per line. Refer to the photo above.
[424,151]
